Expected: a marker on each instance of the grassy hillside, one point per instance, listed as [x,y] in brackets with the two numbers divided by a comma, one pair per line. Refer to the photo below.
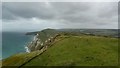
[69,50]
[80,51]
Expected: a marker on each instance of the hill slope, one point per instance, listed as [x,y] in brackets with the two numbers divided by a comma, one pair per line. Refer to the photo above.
[80,51]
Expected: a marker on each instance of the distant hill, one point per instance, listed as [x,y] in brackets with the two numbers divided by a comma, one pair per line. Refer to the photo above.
[100,32]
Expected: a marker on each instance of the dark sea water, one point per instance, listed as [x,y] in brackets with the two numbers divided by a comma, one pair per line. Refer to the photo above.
[14,42]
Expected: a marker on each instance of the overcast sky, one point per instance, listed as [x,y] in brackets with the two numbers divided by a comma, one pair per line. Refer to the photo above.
[33,16]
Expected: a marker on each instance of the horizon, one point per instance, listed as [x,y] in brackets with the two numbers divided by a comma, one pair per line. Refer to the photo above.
[51,28]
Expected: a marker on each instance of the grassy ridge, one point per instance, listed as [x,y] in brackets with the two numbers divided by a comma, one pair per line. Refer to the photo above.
[80,51]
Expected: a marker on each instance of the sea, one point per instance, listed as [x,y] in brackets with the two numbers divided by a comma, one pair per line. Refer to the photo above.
[14,43]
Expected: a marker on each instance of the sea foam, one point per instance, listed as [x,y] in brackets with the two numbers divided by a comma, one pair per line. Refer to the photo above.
[27,49]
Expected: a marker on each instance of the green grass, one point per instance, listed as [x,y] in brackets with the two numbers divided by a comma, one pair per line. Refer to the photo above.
[80,51]
[19,59]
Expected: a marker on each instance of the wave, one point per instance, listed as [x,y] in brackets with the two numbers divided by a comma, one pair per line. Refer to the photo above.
[27,49]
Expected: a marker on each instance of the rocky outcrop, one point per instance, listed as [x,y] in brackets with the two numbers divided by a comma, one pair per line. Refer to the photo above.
[37,44]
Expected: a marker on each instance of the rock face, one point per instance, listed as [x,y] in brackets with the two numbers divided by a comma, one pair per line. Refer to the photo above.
[41,39]
[37,44]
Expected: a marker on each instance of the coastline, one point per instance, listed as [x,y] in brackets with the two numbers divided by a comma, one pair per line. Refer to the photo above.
[38,44]
[27,49]
[15,42]
[31,43]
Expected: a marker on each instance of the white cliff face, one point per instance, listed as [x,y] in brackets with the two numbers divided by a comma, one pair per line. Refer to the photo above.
[37,34]
[49,39]
[37,44]
[36,37]
[41,44]
[46,41]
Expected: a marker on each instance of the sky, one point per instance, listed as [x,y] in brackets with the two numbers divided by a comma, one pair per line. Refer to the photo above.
[34,16]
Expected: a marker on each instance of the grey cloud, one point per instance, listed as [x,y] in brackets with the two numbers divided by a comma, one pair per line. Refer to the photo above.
[6,14]
[82,18]
[109,10]
[81,14]
[0,10]
[70,7]
[26,10]
[119,8]
[40,10]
